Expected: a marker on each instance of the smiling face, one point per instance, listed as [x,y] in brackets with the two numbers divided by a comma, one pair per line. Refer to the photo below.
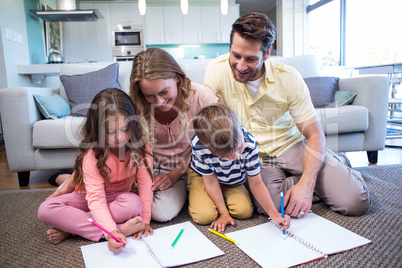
[247,59]
[160,92]
[117,131]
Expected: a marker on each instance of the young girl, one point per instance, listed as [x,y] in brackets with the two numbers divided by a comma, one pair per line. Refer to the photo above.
[112,162]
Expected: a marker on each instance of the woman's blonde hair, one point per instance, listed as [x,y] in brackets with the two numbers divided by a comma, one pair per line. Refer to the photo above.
[153,64]
[218,128]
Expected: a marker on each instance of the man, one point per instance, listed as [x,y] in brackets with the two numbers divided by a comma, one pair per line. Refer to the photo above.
[273,103]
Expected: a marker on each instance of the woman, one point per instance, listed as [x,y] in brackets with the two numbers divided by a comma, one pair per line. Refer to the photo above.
[167,99]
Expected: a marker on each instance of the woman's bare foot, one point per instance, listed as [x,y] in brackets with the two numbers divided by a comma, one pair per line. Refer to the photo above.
[62,178]
[132,226]
[56,235]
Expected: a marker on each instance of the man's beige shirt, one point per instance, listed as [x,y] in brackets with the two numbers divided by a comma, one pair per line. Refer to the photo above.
[282,100]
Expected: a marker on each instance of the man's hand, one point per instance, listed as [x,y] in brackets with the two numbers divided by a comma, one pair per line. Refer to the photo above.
[162,182]
[298,200]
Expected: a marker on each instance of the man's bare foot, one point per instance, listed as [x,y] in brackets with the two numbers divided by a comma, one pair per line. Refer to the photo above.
[56,235]
[132,226]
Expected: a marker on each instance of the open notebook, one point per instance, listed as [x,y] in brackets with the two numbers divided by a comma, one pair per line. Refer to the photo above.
[155,250]
[309,238]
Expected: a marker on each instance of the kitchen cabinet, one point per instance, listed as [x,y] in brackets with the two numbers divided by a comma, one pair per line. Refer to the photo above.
[89,40]
[216,27]
[163,25]
[203,24]
[192,25]
[125,13]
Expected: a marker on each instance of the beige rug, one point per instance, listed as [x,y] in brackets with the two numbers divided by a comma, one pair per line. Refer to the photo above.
[24,243]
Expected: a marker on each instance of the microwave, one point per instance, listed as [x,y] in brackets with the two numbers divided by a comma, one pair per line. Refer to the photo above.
[128,40]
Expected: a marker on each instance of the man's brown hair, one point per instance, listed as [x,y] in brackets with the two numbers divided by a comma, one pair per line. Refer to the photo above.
[255,26]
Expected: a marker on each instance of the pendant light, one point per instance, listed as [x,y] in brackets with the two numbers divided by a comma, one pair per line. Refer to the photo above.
[184,6]
[224,7]
[142,6]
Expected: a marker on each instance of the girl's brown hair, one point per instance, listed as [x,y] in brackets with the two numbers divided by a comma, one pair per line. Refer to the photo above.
[107,103]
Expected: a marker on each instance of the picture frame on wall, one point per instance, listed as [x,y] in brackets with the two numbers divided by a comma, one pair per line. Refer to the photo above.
[54,37]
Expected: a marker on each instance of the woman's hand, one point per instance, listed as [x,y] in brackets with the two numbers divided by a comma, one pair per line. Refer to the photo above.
[144,232]
[162,182]
[113,245]
[220,223]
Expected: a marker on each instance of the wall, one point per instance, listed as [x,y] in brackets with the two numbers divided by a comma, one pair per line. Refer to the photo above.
[291,25]
[15,52]
[36,38]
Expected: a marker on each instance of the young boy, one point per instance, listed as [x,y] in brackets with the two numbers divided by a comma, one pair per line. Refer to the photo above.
[225,155]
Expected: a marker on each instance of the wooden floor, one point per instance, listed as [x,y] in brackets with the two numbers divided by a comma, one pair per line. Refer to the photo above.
[38,179]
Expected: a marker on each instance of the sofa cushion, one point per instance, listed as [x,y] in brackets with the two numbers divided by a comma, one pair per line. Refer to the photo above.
[52,107]
[345,119]
[59,133]
[344,98]
[82,88]
[322,90]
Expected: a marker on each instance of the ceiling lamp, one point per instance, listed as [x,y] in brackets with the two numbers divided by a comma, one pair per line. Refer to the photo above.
[224,7]
[142,6]
[184,6]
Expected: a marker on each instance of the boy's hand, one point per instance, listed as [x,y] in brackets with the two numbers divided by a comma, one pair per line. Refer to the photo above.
[277,218]
[113,245]
[144,232]
[220,223]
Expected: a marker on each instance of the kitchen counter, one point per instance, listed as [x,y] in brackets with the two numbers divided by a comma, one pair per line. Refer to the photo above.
[38,72]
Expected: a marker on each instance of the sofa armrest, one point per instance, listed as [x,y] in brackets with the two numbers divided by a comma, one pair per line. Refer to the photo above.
[372,93]
[18,114]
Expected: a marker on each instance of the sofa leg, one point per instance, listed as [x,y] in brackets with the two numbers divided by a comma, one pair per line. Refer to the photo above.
[23,178]
[372,156]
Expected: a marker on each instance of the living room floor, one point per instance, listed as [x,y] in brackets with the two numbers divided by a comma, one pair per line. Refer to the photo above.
[38,179]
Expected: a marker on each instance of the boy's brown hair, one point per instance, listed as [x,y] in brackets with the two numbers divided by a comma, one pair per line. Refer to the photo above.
[218,128]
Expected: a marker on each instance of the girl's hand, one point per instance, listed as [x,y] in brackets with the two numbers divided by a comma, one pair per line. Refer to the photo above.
[66,188]
[144,232]
[162,182]
[113,245]
[220,223]
[277,218]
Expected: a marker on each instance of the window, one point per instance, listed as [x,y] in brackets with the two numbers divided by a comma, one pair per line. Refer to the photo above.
[324,33]
[371,34]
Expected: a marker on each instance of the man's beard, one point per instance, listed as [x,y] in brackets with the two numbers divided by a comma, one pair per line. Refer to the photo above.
[234,70]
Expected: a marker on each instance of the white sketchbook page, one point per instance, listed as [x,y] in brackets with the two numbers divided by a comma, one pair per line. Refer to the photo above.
[326,235]
[192,246]
[264,243]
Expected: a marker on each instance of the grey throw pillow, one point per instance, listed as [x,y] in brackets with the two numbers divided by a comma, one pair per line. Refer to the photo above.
[82,88]
[322,90]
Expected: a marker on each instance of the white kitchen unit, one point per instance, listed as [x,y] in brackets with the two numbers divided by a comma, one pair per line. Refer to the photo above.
[89,40]
[163,24]
[216,27]
[125,13]
[192,25]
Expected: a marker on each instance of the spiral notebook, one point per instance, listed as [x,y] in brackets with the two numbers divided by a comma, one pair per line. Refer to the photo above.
[155,250]
[309,238]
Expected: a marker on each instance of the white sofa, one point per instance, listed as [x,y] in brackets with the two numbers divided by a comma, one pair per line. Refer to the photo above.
[35,143]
